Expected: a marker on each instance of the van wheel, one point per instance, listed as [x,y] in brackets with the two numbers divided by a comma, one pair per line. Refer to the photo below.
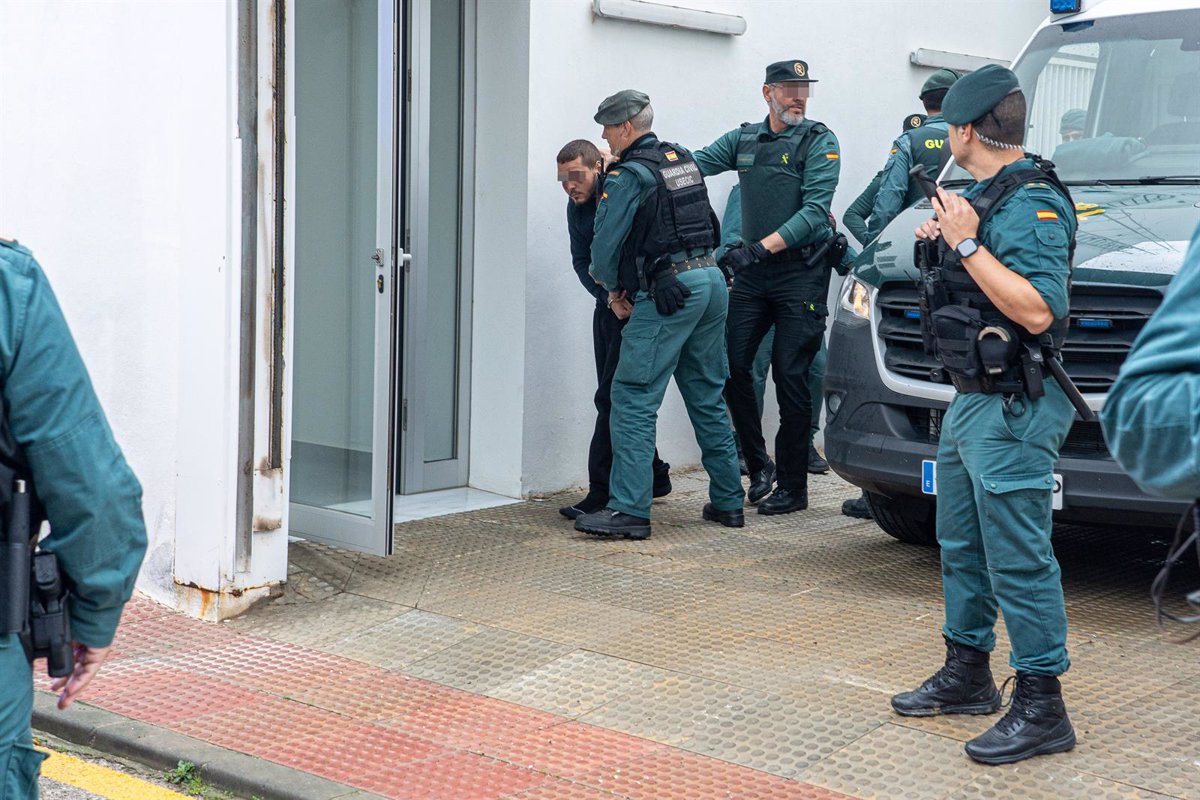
[909,519]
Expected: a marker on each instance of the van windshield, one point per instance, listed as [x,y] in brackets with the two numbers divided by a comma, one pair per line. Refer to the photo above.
[1115,100]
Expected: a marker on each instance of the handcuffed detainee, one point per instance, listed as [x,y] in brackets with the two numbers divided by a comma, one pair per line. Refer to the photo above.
[58,462]
[655,233]
[996,265]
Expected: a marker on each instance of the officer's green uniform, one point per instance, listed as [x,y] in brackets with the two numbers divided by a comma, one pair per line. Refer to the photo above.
[856,216]
[995,466]
[787,181]
[688,344]
[1150,415]
[925,145]
[91,497]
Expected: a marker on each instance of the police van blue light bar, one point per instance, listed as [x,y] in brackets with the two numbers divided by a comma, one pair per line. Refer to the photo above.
[1065,6]
[1095,324]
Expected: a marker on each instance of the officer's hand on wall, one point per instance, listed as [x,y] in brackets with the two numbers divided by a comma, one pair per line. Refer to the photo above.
[742,255]
[669,292]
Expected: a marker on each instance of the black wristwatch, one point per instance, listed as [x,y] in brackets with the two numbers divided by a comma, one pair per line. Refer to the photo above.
[967,247]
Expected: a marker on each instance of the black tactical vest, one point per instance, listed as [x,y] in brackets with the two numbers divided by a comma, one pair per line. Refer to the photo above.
[771,174]
[928,146]
[956,287]
[676,217]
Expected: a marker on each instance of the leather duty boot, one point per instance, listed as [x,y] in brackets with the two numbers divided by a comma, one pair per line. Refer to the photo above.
[964,685]
[1036,724]
[816,464]
[662,481]
[761,482]
[784,501]
[607,522]
[730,519]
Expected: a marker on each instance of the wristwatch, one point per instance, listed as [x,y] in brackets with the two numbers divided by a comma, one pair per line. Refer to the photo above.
[967,247]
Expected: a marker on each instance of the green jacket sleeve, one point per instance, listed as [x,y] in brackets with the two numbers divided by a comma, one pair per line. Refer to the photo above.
[1033,247]
[720,156]
[1151,417]
[855,218]
[731,222]
[822,166]
[623,193]
[91,497]
[893,186]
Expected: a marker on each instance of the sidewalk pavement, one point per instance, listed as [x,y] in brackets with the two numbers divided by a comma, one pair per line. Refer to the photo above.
[499,654]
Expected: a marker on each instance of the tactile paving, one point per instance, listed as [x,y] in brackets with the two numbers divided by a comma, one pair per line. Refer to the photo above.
[488,659]
[406,639]
[578,683]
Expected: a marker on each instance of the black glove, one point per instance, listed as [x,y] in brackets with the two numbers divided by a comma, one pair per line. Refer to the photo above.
[669,292]
[741,255]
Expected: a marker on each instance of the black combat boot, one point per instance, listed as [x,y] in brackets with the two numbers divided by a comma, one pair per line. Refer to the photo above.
[1036,724]
[761,482]
[784,501]
[816,464]
[662,481]
[730,519]
[857,507]
[963,686]
[607,522]
[593,502]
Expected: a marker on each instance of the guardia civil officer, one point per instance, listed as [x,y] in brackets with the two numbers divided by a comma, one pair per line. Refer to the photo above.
[788,169]
[859,212]
[997,310]
[579,166]
[654,238]
[54,436]
[1151,412]
[924,145]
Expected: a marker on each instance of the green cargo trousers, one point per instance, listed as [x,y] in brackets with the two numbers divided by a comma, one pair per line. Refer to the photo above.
[689,344]
[994,483]
[19,762]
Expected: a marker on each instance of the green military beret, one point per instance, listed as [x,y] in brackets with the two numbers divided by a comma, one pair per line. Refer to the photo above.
[783,71]
[1074,120]
[978,93]
[621,107]
[942,79]
[912,122]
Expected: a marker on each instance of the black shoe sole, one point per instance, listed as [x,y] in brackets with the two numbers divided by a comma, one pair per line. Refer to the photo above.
[771,512]
[856,515]
[637,534]
[818,471]
[1059,745]
[660,491]
[964,708]
[571,512]
[714,516]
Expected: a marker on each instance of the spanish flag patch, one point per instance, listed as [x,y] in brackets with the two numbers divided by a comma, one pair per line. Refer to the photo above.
[832,156]
[671,155]
[892,152]
[1044,213]
[604,195]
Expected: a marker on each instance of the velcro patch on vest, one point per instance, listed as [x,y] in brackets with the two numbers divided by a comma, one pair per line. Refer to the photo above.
[671,155]
[681,176]
[1044,213]
[832,156]
[745,159]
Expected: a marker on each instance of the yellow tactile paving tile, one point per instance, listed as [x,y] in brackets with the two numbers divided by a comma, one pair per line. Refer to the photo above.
[101,781]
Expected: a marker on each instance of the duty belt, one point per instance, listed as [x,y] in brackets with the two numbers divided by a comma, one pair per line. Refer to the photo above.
[791,255]
[985,385]
[699,262]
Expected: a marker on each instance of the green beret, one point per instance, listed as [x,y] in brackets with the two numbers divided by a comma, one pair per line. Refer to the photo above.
[1074,120]
[621,107]
[912,122]
[784,71]
[942,79]
[976,94]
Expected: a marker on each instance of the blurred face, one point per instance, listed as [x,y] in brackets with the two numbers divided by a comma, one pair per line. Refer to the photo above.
[578,180]
[788,100]
[1072,136]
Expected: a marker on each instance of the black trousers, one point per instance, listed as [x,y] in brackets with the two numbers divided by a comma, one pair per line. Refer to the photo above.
[606,341]
[792,299]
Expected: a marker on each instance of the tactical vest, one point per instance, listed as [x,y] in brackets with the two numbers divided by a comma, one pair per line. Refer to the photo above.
[771,174]
[675,218]
[928,146]
[956,294]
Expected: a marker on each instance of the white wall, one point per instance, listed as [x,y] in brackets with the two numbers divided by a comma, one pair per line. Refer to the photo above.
[113,169]
[701,85]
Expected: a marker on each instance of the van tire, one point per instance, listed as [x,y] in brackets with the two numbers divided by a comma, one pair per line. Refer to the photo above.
[909,519]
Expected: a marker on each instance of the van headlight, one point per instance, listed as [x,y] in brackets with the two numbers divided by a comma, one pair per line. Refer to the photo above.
[856,298]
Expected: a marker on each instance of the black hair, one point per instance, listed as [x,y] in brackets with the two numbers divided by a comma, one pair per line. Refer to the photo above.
[1004,124]
[932,100]
[579,148]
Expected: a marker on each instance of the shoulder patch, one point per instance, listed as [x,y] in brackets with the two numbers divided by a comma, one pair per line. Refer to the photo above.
[892,152]
[613,172]
[1046,213]
[832,156]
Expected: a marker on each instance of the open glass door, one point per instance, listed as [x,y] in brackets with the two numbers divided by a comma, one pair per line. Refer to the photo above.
[345,271]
